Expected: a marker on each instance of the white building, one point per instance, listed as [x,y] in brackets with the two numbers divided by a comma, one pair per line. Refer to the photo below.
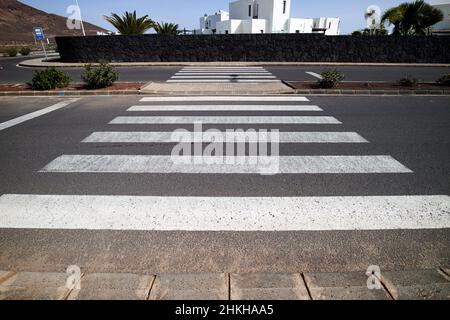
[264,16]
[442,27]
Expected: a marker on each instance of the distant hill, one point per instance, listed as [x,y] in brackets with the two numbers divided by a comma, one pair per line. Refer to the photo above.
[17,21]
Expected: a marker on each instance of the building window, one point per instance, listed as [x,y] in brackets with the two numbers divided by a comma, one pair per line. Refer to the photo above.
[284,6]
[249,10]
[256,13]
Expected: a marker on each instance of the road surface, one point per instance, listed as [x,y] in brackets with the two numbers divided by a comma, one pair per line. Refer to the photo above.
[365,180]
[11,73]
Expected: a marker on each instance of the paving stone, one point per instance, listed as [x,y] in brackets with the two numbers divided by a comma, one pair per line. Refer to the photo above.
[268,286]
[5,275]
[417,285]
[113,286]
[202,286]
[342,286]
[35,286]
[219,88]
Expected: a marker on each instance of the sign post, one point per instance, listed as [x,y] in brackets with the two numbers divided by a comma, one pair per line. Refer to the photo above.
[39,36]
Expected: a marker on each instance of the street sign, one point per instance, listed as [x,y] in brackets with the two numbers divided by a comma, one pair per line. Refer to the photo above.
[39,36]
[38,33]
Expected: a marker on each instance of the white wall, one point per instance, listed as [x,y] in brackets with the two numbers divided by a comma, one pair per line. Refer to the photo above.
[239,9]
[302,25]
[254,26]
[232,26]
[444,6]
[332,25]
[280,19]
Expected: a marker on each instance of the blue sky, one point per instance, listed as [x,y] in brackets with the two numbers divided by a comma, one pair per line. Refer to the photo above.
[187,12]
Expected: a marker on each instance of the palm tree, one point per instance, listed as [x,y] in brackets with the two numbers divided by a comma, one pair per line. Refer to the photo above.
[130,24]
[167,28]
[412,18]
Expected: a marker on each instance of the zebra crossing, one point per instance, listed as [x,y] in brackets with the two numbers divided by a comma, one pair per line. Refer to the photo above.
[223,75]
[173,213]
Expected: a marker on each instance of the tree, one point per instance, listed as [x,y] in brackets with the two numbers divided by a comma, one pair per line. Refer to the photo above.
[167,28]
[130,24]
[379,31]
[412,18]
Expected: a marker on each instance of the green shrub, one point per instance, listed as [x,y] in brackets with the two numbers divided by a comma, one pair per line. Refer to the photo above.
[330,78]
[11,52]
[444,80]
[49,79]
[408,81]
[101,76]
[25,51]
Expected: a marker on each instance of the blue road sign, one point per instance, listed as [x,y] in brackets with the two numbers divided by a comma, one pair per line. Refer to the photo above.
[38,33]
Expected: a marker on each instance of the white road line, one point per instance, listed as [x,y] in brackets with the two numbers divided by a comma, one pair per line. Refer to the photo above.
[222,72]
[279,98]
[315,75]
[166,137]
[223,77]
[228,107]
[32,115]
[224,68]
[222,81]
[81,212]
[226,165]
[226,120]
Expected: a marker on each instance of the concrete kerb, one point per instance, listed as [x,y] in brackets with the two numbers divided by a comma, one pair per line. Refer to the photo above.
[200,93]
[53,62]
[406,284]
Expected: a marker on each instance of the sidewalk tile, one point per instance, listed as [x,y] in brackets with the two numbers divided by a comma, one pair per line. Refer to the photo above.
[113,286]
[417,285]
[268,286]
[342,286]
[201,286]
[35,286]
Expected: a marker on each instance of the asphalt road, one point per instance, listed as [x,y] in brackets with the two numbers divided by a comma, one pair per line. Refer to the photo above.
[413,130]
[10,73]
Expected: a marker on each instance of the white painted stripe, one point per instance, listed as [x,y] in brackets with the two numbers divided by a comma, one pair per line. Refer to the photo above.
[229,74]
[228,107]
[223,77]
[78,212]
[286,98]
[226,120]
[227,165]
[166,137]
[222,81]
[315,75]
[223,68]
[222,72]
[32,115]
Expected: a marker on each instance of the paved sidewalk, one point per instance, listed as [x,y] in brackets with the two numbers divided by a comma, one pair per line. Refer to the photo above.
[53,62]
[216,88]
[398,285]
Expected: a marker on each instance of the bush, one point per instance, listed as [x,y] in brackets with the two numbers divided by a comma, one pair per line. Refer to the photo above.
[100,77]
[330,78]
[11,52]
[444,80]
[25,51]
[49,79]
[408,81]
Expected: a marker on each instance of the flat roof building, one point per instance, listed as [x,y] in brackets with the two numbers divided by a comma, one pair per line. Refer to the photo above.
[264,16]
